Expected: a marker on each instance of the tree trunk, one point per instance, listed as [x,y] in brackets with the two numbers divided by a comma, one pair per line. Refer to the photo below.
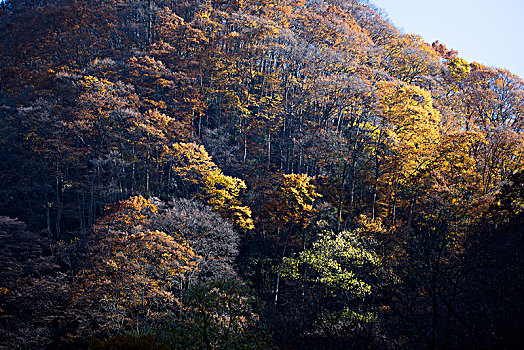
[58,206]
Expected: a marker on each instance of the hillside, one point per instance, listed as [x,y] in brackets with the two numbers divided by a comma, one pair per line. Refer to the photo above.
[233,174]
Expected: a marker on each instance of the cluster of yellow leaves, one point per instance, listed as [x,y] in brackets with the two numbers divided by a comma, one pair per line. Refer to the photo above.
[412,127]
[154,250]
[200,177]
[293,204]
[174,31]
[458,71]
[3,293]
[407,141]
[91,81]
[411,121]
[130,213]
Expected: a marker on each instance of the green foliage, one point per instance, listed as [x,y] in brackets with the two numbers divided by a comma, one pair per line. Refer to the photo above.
[341,269]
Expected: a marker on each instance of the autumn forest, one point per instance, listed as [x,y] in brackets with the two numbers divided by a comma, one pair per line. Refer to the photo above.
[253,174]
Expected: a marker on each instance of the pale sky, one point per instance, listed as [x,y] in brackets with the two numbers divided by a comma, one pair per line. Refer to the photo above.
[490,32]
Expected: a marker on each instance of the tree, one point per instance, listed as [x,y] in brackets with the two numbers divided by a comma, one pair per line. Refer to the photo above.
[292,207]
[410,127]
[217,315]
[132,276]
[458,71]
[410,59]
[34,289]
[195,174]
[212,238]
[338,274]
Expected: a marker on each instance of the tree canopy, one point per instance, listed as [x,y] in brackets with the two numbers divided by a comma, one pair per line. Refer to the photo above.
[253,174]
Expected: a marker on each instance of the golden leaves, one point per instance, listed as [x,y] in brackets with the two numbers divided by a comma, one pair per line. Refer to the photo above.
[198,176]
[411,124]
[131,212]
[293,204]
[132,270]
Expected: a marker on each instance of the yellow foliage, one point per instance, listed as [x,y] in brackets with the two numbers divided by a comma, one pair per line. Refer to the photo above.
[198,176]
[294,200]
[458,71]
[131,212]
[411,124]
[133,271]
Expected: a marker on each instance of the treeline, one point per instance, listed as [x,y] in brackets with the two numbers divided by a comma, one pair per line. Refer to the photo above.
[253,174]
